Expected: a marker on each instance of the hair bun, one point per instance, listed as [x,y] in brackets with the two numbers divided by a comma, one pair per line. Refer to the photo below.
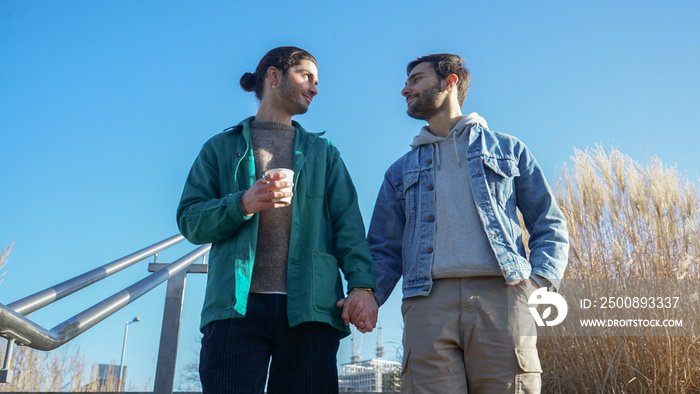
[248,82]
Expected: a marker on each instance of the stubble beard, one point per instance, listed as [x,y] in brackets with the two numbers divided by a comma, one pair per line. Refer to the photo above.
[290,98]
[428,104]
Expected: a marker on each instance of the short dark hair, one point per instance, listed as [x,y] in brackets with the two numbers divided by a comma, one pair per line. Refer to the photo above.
[282,58]
[446,64]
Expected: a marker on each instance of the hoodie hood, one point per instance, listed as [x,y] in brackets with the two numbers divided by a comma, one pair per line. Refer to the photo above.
[425,137]
[459,135]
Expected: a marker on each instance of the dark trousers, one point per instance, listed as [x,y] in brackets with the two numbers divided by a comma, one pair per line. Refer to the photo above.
[236,352]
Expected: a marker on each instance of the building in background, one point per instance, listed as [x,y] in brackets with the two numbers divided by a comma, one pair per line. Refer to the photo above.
[108,375]
[370,376]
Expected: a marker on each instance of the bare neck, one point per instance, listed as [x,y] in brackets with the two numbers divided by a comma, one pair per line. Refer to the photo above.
[441,124]
[268,112]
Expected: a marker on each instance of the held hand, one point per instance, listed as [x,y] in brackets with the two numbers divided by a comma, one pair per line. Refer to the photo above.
[360,309]
[259,196]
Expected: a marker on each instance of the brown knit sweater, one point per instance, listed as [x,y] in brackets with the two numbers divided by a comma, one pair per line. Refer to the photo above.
[273,147]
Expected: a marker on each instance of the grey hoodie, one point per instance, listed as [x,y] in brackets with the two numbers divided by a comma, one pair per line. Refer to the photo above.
[461,246]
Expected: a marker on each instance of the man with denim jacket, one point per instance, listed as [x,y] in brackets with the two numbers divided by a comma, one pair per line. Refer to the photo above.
[446,220]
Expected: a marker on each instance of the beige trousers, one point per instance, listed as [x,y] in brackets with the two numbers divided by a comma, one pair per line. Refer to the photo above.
[470,335]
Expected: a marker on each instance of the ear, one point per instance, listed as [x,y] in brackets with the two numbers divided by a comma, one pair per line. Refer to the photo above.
[451,81]
[273,75]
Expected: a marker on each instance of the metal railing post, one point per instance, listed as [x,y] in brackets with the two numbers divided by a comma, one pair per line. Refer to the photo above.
[6,372]
[169,334]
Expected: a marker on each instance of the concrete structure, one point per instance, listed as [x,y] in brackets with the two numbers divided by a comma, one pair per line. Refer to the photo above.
[370,376]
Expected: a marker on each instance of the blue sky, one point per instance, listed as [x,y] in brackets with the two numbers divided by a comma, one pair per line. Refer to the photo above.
[104,106]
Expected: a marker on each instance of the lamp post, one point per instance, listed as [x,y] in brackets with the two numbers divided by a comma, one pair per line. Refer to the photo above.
[121,365]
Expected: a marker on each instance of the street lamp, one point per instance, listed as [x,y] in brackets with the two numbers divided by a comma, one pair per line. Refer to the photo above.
[121,365]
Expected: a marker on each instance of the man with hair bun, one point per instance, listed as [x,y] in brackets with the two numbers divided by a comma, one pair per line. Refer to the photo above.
[274,299]
[446,221]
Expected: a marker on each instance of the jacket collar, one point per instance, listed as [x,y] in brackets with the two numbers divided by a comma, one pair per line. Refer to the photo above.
[244,125]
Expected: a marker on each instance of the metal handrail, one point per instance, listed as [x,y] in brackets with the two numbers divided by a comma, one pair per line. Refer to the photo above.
[14,326]
[43,298]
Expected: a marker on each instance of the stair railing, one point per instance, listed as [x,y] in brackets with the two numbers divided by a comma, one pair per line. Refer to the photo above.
[19,330]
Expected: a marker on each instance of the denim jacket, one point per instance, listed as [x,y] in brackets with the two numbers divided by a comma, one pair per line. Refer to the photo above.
[505,178]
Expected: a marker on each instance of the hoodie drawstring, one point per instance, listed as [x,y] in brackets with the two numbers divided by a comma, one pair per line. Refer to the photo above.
[454,142]
[436,146]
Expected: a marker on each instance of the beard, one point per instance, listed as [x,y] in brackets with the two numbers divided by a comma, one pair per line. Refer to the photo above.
[428,104]
[290,98]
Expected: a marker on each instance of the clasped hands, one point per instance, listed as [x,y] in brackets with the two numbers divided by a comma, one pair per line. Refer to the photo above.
[360,309]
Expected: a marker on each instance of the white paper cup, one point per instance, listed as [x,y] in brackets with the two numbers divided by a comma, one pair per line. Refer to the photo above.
[289,178]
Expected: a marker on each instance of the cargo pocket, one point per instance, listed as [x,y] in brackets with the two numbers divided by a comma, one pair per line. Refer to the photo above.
[528,361]
[527,378]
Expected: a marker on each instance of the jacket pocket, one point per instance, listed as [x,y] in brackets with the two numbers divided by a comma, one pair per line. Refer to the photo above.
[501,174]
[409,193]
[409,179]
[326,283]
[312,179]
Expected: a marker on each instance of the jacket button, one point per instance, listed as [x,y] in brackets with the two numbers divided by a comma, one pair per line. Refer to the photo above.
[426,288]
[431,187]
[429,161]
[430,250]
[431,218]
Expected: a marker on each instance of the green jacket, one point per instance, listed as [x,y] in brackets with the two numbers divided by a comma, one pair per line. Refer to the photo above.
[327,229]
